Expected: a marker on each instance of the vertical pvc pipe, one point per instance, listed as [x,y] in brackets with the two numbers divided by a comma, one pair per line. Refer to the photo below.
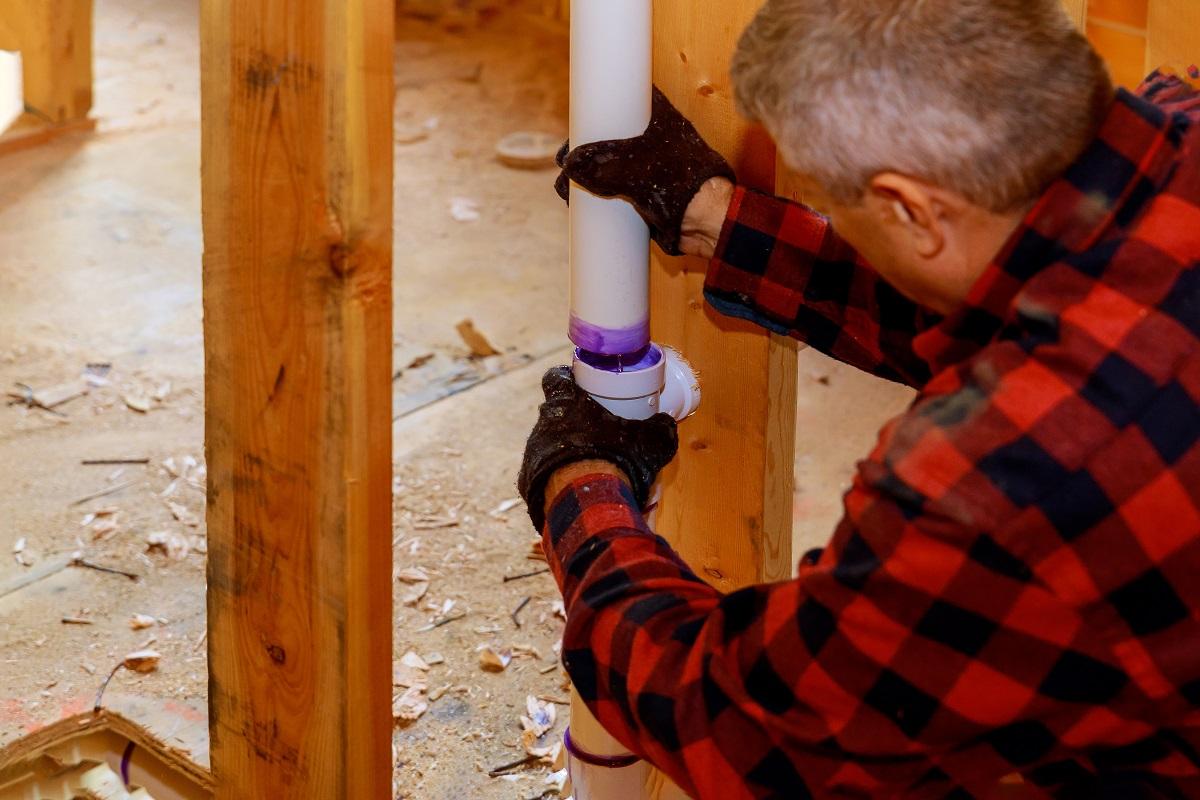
[611,85]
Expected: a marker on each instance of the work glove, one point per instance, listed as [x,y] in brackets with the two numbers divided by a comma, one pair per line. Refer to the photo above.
[573,427]
[659,172]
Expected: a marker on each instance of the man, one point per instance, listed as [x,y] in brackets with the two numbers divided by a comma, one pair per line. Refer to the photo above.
[1015,587]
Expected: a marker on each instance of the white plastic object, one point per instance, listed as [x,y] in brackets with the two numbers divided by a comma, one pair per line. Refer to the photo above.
[668,385]
[631,394]
[611,45]
[681,388]
[12,97]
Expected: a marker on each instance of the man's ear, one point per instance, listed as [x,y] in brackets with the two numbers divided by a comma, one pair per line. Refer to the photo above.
[918,208]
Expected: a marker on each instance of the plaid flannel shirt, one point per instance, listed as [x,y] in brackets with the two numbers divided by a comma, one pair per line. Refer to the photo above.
[1015,586]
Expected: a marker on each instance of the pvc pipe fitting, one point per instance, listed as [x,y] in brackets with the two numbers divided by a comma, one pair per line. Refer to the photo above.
[661,380]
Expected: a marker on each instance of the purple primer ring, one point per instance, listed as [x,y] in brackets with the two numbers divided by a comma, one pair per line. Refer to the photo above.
[645,358]
[125,759]
[609,341]
[608,762]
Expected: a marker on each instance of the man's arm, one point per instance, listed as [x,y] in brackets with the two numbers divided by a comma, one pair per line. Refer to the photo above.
[918,654]
[776,263]
[780,265]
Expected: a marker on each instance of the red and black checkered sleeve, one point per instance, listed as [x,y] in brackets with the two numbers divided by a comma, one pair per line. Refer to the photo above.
[780,265]
[920,656]
[1171,92]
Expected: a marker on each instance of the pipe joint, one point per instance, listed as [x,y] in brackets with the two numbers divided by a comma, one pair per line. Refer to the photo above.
[640,385]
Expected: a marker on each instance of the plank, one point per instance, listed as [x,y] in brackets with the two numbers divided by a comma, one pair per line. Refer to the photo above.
[727,502]
[297,214]
[54,38]
[1173,34]
[1077,9]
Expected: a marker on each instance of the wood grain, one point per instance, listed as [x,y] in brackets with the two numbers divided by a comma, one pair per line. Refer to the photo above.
[1077,9]
[54,38]
[1173,34]
[727,505]
[297,214]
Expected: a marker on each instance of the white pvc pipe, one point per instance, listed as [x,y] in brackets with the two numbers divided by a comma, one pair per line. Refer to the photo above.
[611,85]
[611,51]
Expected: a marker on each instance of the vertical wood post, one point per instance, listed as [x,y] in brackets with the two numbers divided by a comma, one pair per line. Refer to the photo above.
[1077,9]
[54,38]
[728,503]
[297,212]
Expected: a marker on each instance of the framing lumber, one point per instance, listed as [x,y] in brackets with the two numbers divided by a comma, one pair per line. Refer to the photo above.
[1077,9]
[54,38]
[727,507]
[1173,35]
[297,216]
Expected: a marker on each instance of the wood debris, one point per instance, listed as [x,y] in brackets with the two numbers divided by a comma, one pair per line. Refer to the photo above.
[539,716]
[505,507]
[417,581]
[141,621]
[492,661]
[464,209]
[46,399]
[136,401]
[410,705]
[142,661]
[414,661]
[475,341]
[183,514]
[173,545]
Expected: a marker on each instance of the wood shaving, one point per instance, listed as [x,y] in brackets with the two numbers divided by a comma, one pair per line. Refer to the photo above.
[492,661]
[410,705]
[141,621]
[142,661]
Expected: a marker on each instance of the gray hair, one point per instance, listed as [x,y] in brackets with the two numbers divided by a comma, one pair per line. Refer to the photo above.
[990,98]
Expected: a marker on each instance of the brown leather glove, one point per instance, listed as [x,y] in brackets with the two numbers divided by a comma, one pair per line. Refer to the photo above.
[573,427]
[659,172]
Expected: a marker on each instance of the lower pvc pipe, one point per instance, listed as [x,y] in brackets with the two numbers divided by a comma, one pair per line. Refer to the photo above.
[658,381]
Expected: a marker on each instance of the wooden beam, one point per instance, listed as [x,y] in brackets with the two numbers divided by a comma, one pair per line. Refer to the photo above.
[297,216]
[54,38]
[1173,35]
[728,503]
[1077,9]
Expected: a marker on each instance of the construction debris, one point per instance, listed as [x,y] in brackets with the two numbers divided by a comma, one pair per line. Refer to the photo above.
[142,661]
[528,150]
[141,621]
[492,661]
[475,341]
[464,209]
[410,705]
[172,545]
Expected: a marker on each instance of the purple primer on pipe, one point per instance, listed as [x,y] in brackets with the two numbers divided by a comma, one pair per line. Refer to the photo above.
[609,341]
[645,358]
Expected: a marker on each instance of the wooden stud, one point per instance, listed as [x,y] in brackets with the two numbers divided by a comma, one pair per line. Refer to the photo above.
[1173,35]
[728,503]
[1077,9]
[297,216]
[54,38]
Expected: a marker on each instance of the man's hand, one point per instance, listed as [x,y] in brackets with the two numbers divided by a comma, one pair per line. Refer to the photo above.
[659,172]
[572,427]
[705,217]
